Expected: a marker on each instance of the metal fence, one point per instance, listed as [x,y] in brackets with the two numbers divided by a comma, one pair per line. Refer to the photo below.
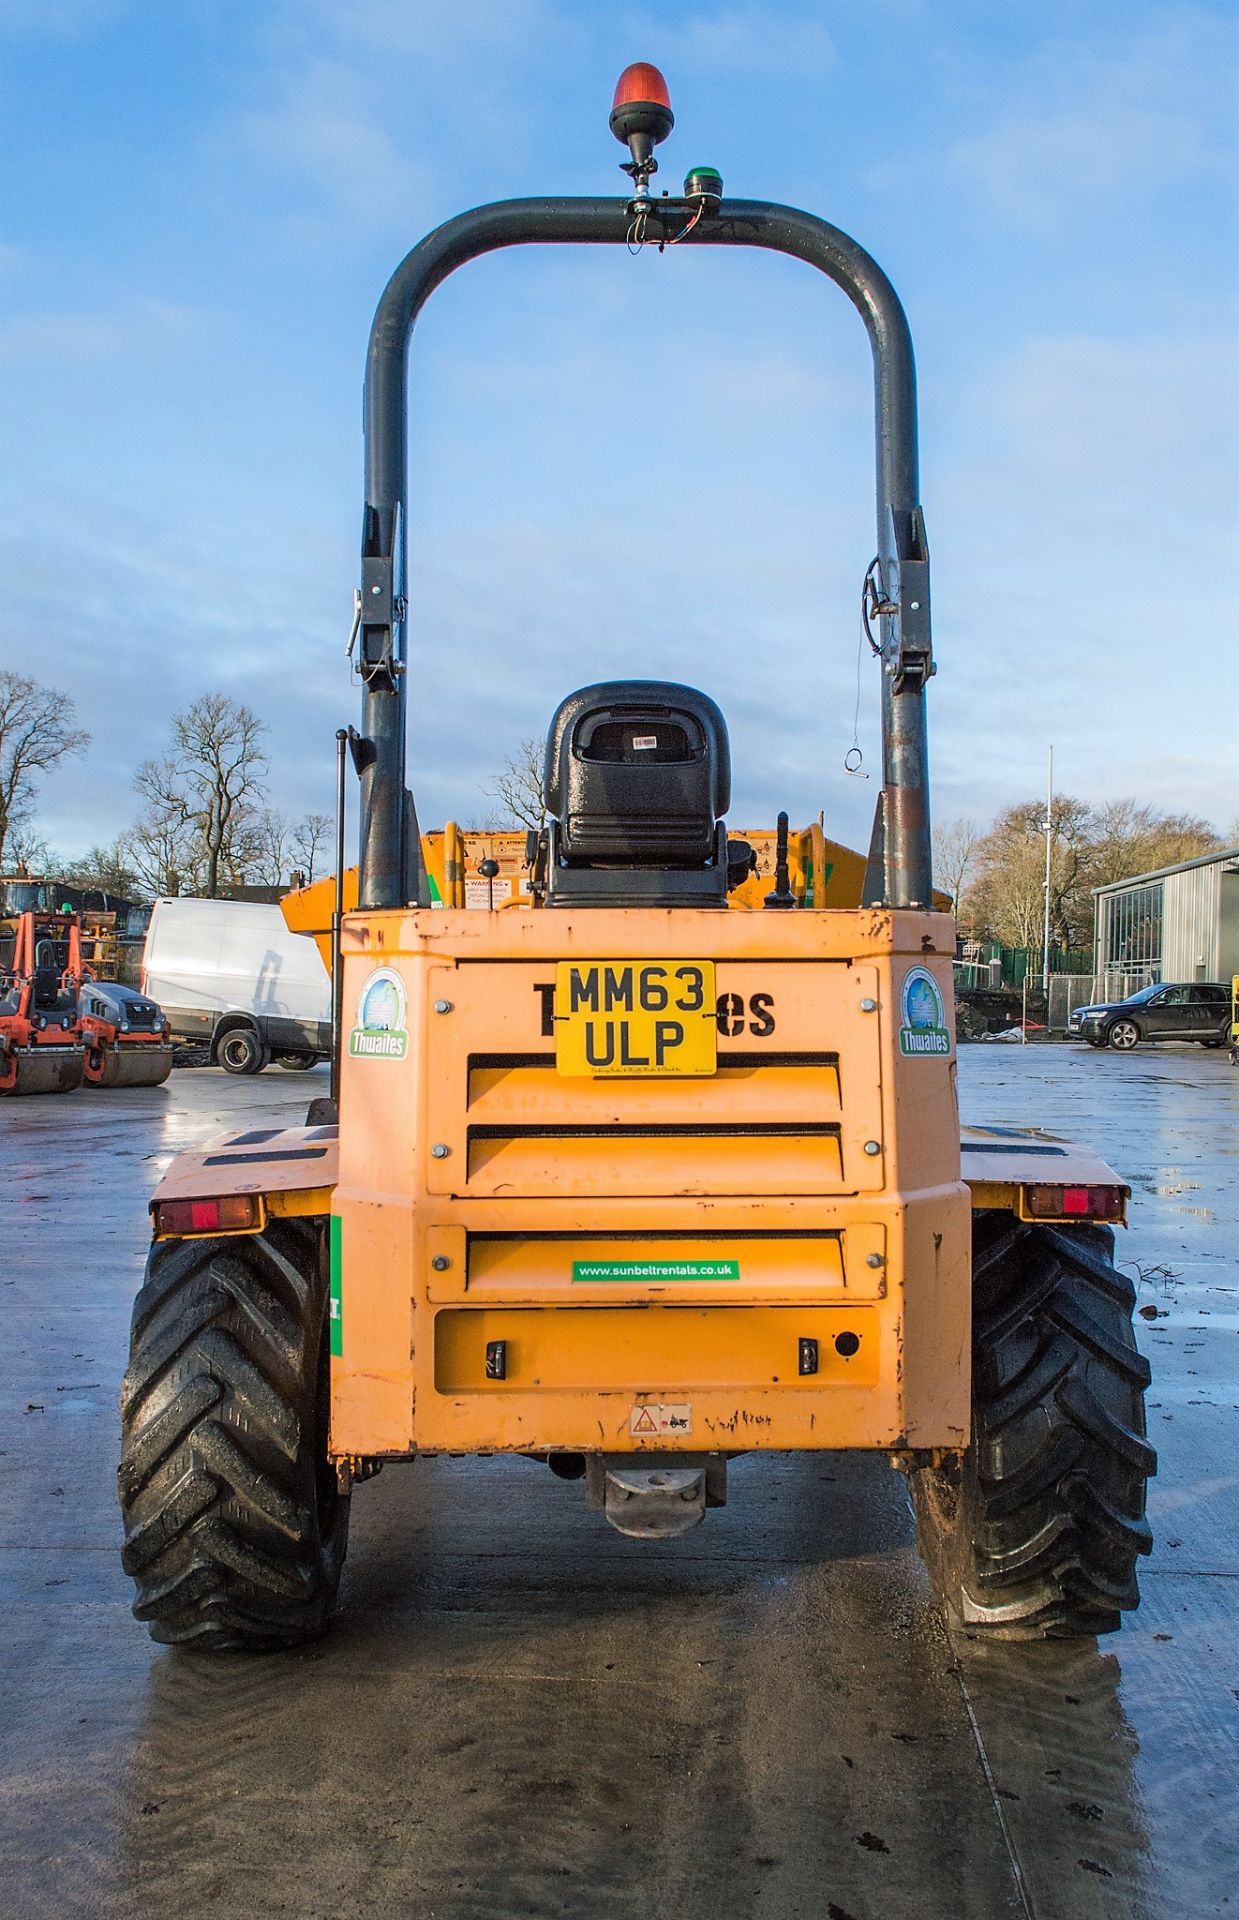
[1117,982]
[986,966]
[1067,992]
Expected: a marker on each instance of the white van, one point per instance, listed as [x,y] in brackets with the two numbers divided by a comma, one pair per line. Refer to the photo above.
[233,975]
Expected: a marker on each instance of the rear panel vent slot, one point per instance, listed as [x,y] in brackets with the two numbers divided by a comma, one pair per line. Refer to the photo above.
[514,1091]
[679,1158]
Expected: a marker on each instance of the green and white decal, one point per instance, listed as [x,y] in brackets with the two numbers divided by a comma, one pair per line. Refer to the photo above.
[593,1272]
[380,1032]
[335,1320]
[922,1028]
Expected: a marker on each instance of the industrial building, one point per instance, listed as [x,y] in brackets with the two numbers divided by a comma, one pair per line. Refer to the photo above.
[1179,923]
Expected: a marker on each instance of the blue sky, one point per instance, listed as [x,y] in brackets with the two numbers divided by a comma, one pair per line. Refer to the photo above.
[660,466]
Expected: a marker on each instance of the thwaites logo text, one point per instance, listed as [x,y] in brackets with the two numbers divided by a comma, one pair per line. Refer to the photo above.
[923,1031]
[381,1031]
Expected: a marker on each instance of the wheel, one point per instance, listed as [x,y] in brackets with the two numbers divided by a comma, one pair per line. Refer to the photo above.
[241,1051]
[1219,1042]
[1123,1036]
[296,1062]
[1037,1533]
[235,1531]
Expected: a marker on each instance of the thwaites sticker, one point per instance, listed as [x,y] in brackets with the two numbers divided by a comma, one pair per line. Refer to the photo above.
[380,1032]
[922,1017]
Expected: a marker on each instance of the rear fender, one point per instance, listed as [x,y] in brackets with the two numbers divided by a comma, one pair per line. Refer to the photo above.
[1002,1165]
[292,1172]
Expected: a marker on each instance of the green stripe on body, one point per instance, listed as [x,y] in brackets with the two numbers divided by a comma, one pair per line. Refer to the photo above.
[336,1321]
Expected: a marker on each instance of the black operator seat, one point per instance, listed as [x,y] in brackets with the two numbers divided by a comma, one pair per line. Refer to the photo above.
[638,776]
[46,995]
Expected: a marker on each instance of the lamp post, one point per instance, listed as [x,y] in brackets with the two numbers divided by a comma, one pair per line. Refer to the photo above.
[1049,842]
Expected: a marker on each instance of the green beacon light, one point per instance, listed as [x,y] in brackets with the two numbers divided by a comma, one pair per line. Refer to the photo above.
[705,186]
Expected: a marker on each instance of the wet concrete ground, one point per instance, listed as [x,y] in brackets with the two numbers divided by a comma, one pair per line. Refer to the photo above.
[520,1712]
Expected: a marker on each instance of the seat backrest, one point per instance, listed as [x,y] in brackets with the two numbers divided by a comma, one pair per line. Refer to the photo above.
[638,774]
[46,989]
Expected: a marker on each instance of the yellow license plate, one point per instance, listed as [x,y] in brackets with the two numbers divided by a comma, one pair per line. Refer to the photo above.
[635,1017]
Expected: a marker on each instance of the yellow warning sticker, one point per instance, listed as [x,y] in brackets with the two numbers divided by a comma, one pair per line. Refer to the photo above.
[658,1418]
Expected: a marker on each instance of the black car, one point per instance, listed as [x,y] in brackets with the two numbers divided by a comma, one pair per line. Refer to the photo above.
[1198,1010]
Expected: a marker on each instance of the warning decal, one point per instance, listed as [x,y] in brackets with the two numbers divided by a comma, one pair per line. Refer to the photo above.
[660,1417]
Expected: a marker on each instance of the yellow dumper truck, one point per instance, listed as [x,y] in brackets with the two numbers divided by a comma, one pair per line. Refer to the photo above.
[627,1182]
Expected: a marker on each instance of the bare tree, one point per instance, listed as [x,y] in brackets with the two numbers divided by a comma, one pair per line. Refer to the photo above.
[108,869]
[1130,838]
[202,797]
[269,838]
[36,733]
[163,853]
[1090,847]
[1006,901]
[28,850]
[310,836]
[955,845]
[518,786]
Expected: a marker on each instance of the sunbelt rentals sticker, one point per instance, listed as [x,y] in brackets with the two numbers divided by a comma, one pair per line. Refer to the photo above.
[380,1032]
[922,1025]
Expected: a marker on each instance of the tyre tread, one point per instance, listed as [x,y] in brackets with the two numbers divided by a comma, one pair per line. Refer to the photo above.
[218,1480]
[1039,1535]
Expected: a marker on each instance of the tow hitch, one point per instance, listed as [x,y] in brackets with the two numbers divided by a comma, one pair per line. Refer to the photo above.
[655,1497]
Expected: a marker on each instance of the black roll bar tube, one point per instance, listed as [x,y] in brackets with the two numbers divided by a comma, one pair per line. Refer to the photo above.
[387,863]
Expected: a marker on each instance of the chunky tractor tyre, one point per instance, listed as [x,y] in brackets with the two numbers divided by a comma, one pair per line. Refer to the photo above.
[296,1062]
[1036,1535]
[241,1051]
[235,1531]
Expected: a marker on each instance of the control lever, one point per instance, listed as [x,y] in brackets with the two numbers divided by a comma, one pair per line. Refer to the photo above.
[782,895]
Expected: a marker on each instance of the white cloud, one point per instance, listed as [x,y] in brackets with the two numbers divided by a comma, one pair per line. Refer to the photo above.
[326,133]
[1077,127]
[1081,598]
[1088,412]
[758,40]
[57,19]
[434,32]
[126,333]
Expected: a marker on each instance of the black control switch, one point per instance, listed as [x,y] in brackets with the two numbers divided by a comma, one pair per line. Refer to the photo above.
[496,1359]
[808,1356]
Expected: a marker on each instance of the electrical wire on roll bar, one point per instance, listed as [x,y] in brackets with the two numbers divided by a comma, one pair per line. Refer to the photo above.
[872,604]
[637,231]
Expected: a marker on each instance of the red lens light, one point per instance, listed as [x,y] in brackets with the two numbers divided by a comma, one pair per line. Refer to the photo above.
[1073,1203]
[229,1210]
[640,83]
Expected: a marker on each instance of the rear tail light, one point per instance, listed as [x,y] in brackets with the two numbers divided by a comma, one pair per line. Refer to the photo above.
[1073,1203]
[226,1213]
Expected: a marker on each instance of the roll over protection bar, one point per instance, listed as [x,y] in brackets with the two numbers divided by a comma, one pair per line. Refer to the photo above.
[389,867]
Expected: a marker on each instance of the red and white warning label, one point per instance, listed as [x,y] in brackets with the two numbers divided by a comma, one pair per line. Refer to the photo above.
[660,1417]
